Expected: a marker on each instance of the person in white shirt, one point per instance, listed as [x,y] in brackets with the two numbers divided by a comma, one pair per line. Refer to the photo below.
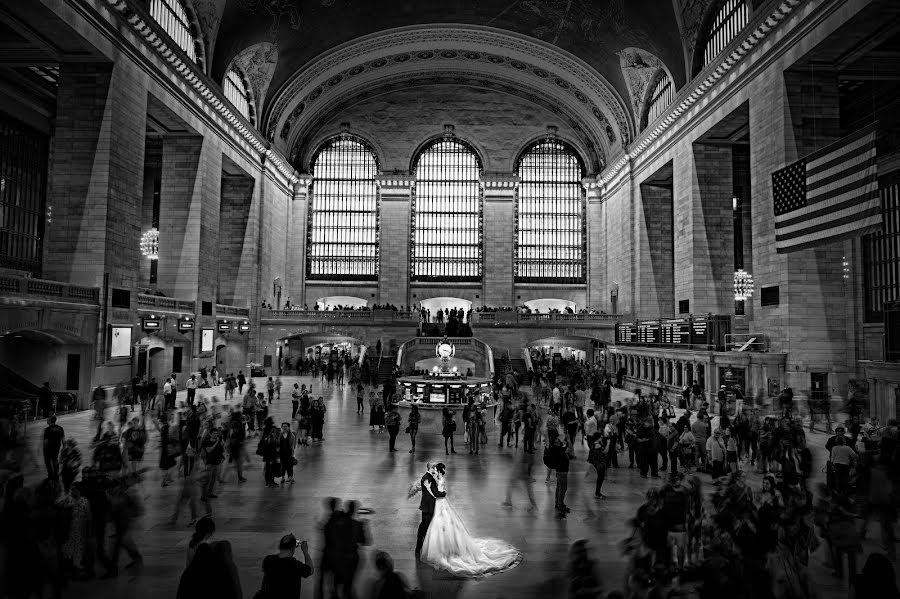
[556,394]
[843,458]
[591,427]
[169,395]
[580,396]
[191,386]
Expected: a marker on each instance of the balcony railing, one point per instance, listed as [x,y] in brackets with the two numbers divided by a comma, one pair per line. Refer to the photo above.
[11,284]
[513,317]
[351,315]
[171,304]
[227,310]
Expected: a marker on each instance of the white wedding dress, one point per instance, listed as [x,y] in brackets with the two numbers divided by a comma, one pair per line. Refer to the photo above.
[449,546]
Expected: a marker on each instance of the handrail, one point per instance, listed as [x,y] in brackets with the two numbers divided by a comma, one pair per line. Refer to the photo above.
[362,355]
[526,356]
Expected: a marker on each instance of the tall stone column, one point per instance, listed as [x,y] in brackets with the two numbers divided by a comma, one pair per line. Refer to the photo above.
[96,176]
[704,229]
[598,292]
[237,239]
[654,260]
[189,217]
[499,239]
[394,240]
[296,252]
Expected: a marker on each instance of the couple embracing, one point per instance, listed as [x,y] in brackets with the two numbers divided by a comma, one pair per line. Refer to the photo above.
[444,542]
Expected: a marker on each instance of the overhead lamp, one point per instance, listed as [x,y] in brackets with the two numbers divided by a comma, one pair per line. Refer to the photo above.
[150,244]
[743,285]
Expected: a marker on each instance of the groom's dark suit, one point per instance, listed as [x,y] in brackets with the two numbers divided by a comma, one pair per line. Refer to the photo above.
[427,507]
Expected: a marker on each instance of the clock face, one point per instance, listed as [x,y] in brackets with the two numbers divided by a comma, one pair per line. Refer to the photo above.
[445,350]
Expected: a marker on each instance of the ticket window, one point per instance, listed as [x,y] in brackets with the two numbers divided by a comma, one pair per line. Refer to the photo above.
[438,395]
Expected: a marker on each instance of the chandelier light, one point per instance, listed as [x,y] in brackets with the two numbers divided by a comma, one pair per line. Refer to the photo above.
[150,244]
[743,285]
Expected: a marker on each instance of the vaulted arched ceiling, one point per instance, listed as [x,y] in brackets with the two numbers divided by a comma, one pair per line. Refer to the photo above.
[592,30]
[465,55]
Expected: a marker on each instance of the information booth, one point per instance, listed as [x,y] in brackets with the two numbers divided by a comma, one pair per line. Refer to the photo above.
[441,388]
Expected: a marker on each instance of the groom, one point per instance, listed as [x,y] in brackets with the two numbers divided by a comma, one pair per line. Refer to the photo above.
[429,493]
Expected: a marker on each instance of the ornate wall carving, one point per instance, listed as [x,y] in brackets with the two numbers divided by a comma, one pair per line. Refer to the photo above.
[258,64]
[639,68]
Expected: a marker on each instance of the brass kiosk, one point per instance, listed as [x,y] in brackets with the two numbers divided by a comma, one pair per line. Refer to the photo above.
[443,387]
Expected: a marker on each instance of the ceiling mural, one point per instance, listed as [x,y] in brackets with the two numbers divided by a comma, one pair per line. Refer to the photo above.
[209,14]
[639,68]
[278,11]
[692,14]
[258,63]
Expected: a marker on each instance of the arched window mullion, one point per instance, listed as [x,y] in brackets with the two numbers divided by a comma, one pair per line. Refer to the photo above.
[731,18]
[173,18]
[550,232]
[238,93]
[447,214]
[342,238]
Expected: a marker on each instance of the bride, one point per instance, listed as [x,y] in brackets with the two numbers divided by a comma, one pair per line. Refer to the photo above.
[449,546]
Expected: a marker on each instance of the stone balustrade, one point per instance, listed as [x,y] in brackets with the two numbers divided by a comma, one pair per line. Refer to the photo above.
[227,310]
[379,316]
[42,288]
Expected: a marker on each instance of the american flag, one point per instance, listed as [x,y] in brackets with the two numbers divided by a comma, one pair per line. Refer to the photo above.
[831,194]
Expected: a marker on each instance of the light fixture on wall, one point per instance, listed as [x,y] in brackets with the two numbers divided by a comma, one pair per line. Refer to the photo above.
[743,285]
[150,244]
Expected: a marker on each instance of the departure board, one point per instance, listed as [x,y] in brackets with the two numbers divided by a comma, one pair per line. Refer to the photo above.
[699,330]
[648,332]
[626,332]
[676,331]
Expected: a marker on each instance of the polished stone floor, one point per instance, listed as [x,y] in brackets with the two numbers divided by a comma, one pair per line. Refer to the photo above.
[354,463]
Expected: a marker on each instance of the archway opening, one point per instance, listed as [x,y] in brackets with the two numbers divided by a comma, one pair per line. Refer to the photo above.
[548,305]
[444,305]
[551,351]
[29,358]
[341,302]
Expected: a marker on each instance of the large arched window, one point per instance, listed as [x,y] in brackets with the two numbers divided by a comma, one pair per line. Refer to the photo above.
[342,243]
[447,213]
[238,93]
[550,232]
[173,18]
[660,98]
[731,18]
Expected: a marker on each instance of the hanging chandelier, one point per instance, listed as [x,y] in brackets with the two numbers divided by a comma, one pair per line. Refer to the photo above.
[743,285]
[150,244]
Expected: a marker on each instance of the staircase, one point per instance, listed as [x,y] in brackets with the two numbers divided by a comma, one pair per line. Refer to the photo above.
[384,369]
[519,364]
[17,388]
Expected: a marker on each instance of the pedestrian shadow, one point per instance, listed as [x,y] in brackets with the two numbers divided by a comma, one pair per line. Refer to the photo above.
[438,584]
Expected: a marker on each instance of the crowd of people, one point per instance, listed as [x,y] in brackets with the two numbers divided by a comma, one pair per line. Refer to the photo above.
[754,537]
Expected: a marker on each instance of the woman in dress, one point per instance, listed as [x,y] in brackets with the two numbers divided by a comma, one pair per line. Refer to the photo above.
[412,425]
[75,547]
[449,546]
